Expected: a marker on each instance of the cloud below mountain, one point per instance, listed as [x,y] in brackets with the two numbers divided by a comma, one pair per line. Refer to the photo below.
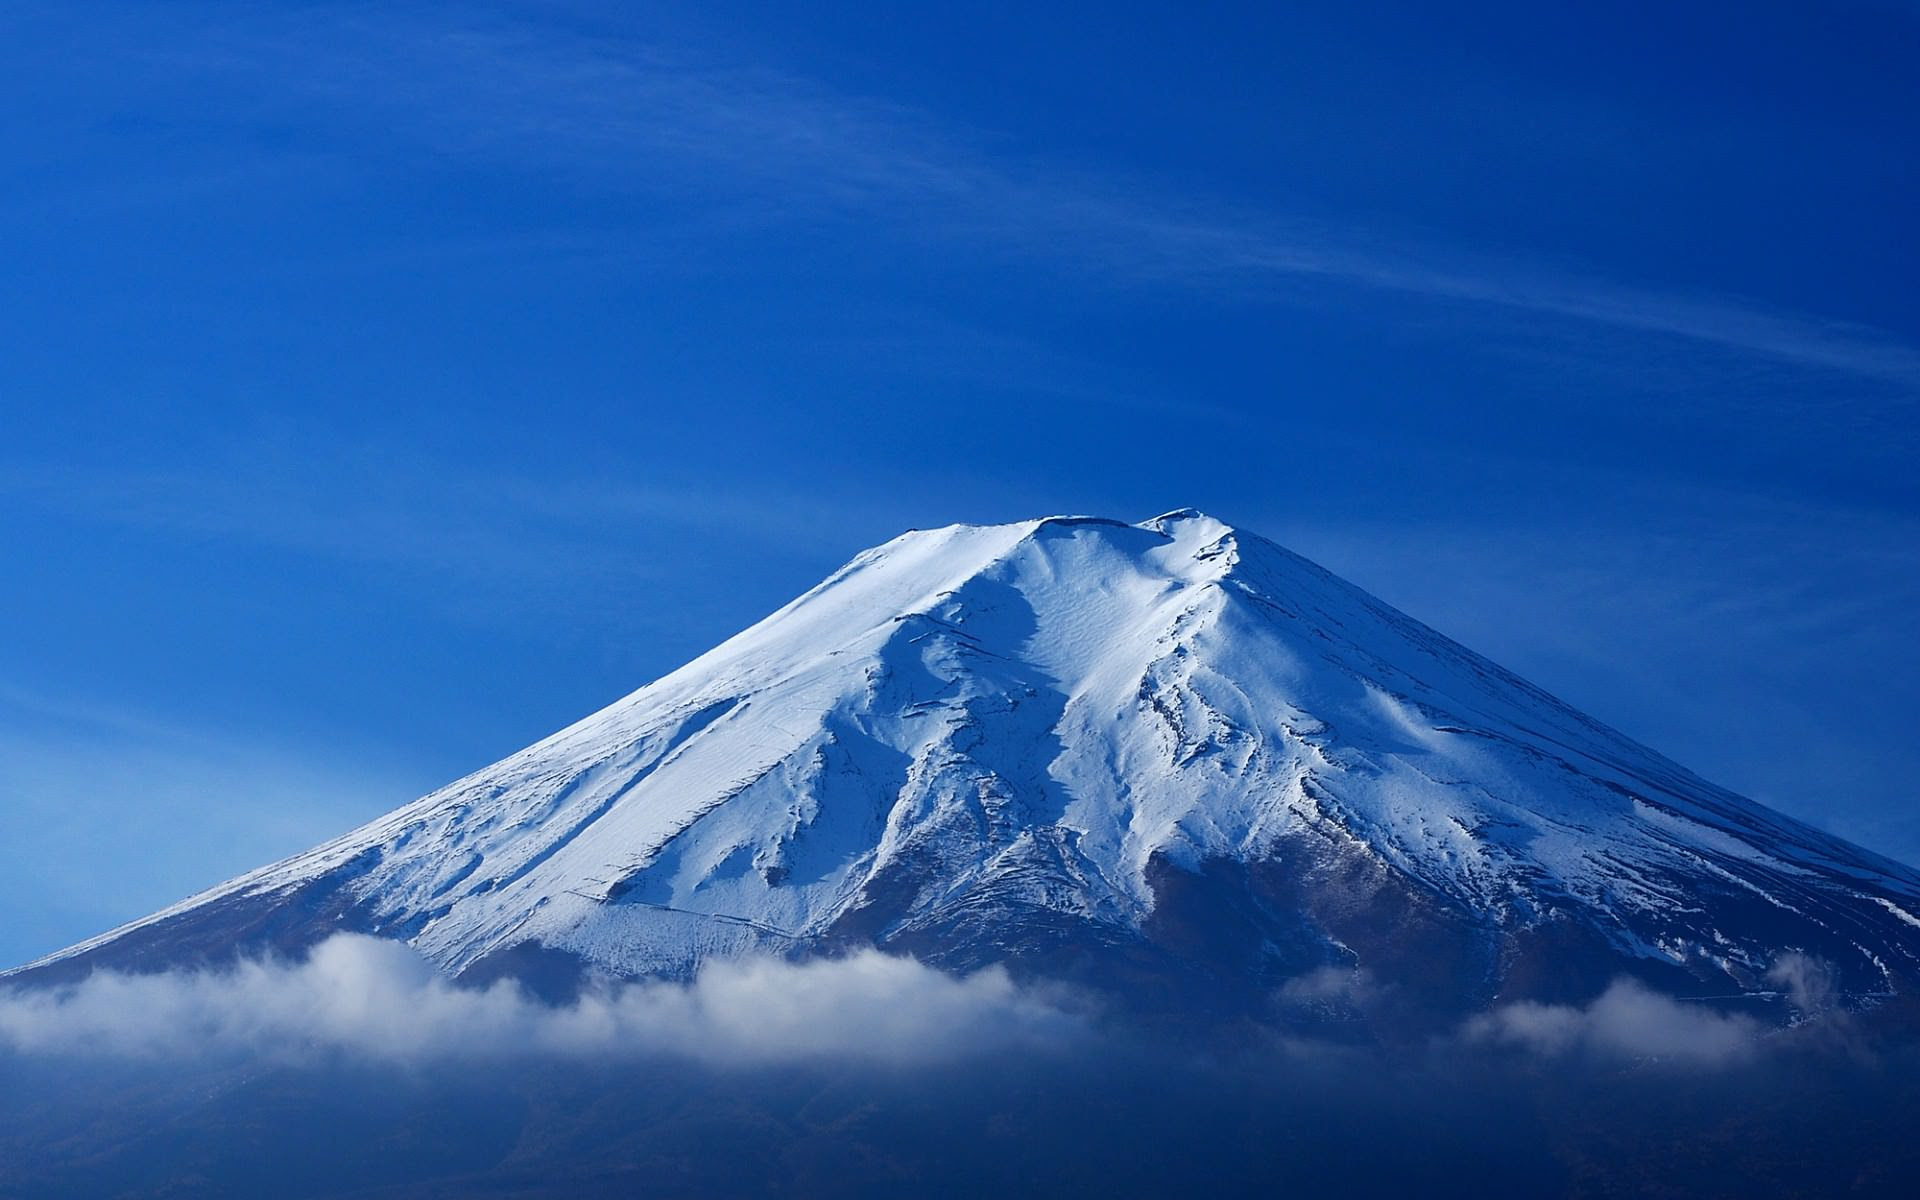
[366,997]
[1626,1021]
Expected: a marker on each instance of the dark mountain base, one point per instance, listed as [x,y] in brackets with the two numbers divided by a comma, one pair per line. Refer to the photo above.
[1808,1121]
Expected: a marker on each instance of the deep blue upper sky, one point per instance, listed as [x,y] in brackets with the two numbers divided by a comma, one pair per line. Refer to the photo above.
[385,386]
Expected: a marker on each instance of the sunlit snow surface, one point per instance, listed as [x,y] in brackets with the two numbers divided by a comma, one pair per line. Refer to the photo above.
[1020,718]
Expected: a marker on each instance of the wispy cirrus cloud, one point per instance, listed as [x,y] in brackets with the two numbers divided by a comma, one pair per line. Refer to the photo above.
[632,115]
[408,512]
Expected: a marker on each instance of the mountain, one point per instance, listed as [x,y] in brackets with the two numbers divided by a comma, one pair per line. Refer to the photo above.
[1171,760]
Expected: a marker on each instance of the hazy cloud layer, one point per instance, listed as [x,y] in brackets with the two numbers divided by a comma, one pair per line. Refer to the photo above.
[378,1000]
[367,997]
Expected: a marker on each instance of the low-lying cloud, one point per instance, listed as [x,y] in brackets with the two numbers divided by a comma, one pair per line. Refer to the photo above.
[377,999]
[1626,1020]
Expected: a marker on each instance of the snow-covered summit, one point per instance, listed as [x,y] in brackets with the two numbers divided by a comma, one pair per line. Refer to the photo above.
[1168,742]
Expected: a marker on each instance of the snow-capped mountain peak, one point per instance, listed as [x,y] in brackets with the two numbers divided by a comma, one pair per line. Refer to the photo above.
[1071,742]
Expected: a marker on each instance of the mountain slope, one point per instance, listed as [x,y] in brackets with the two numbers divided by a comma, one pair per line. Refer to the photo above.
[1160,756]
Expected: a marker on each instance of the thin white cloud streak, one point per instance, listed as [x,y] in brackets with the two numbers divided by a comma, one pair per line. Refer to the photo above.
[405,512]
[1625,1021]
[630,116]
[368,998]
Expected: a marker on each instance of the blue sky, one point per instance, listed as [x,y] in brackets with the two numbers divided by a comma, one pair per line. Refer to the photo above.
[385,386]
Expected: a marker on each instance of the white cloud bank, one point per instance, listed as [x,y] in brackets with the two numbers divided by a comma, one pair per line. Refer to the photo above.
[377,999]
